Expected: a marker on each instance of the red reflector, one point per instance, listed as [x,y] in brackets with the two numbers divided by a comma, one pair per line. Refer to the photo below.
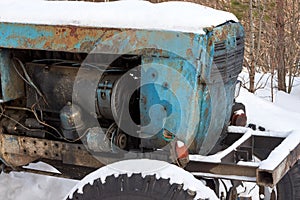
[239,118]
[181,150]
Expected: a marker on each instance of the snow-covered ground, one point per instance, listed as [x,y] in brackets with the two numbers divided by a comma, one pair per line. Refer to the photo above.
[283,115]
[26,186]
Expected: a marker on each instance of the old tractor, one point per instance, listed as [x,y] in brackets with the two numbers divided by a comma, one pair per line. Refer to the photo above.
[81,95]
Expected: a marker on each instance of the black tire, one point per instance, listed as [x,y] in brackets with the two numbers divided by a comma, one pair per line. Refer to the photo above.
[134,187]
[288,187]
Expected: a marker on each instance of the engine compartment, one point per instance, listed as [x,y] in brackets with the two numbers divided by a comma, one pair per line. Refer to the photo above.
[48,111]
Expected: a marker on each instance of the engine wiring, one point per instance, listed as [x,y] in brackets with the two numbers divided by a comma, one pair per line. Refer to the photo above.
[10,118]
[27,78]
[21,76]
[41,122]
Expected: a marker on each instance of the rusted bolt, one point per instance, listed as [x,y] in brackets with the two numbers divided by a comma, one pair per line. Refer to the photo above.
[165,85]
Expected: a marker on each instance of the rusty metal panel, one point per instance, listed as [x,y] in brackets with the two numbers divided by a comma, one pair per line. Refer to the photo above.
[167,44]
[40,148]
[19,150]
[46,37]
[77,155]
[11,153]
[12,86]
[85,39]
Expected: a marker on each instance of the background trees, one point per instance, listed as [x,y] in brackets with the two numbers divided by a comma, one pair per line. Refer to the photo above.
[272,38]
[272,30]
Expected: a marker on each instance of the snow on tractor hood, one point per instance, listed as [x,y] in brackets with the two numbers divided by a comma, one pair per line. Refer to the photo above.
[171,16]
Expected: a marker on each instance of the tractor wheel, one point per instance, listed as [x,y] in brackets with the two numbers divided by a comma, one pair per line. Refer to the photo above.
[288,187]
[140,179]
[134,187]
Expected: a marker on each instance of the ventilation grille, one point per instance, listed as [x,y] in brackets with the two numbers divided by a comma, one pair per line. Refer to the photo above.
[228,61]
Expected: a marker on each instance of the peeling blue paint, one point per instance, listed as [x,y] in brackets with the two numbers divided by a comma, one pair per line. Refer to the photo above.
[193,95]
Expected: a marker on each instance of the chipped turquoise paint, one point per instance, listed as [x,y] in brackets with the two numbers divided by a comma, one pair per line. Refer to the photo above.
[173,87]
[48,37]
[131,41]
[217,95]
[214,96]
[196,101]
[15,36]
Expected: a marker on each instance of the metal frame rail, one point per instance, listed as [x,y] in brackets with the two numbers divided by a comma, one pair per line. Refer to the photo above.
[277,152]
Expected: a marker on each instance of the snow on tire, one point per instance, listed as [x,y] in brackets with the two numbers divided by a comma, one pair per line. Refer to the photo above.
[140,179]
[134,187]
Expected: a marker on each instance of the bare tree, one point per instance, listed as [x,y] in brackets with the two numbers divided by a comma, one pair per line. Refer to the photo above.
[250,64]
[293,38]
[280,48]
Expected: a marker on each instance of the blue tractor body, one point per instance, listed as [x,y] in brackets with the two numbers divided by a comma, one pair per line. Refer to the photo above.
[187,80]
